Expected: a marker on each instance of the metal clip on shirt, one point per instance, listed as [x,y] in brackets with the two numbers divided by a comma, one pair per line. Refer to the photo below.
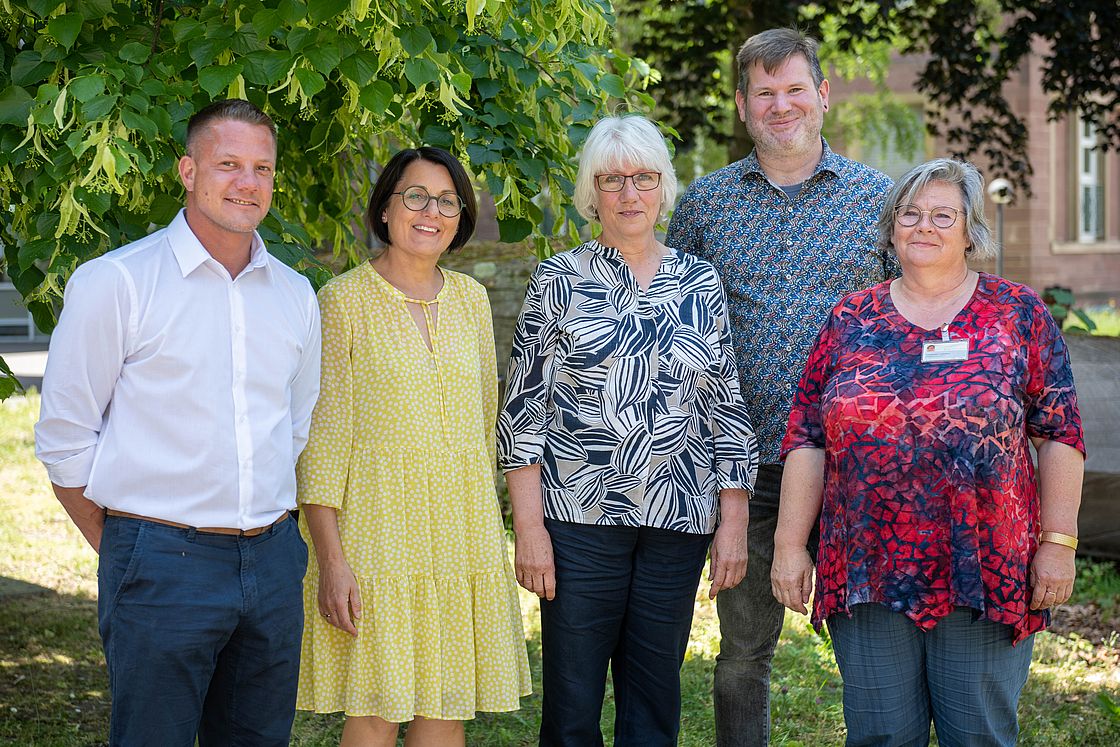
[945,350]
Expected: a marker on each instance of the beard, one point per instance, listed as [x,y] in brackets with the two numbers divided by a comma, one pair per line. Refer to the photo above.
[801,139]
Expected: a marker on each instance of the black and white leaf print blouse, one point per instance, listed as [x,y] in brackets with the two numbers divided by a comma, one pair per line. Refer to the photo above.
[628,399]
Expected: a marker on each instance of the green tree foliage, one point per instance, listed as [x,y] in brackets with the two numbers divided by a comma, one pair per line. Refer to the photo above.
[95,96]
[973,48]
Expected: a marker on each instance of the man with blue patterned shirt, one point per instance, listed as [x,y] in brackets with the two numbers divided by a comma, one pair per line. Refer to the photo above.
[791,229]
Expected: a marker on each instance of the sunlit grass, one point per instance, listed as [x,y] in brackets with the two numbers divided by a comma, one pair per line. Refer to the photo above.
[1106,318]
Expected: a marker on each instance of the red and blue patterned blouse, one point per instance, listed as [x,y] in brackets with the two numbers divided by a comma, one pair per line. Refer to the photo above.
[930,498]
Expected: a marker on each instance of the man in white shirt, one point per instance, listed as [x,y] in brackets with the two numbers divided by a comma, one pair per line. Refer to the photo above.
[177,397]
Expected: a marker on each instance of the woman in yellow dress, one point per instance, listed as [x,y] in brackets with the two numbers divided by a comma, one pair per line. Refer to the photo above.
[411,607]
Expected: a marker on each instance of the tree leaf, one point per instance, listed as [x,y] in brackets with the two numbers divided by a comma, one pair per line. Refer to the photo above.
[98,202]
[300,37]
[265,23]
[64,29]
[40,250]
[416,39]
[462,81]
[481,155]
[85,88]
[154,88]
[135,52]
[28,68]
[161,119]
[359,67]
[421,72]
[514,229]
[99,106]
[310,81]
[323,57]
[613,85]
[216,78]
[267,67]
[186,28]
[320,10]
[94,9]
[15,105]
[292,11]
[438,135]
[164,208]
[376,96]
[488,88]
[43,8]
[204,50]
[8,382]
[134,121]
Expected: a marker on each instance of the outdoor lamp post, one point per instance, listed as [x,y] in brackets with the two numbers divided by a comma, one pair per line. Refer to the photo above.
[1001,192]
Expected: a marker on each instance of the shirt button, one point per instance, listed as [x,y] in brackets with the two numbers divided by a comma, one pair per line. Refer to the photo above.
[789,276]
[789,242]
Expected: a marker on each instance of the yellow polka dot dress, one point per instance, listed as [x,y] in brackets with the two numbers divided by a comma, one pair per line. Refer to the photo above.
[402,444]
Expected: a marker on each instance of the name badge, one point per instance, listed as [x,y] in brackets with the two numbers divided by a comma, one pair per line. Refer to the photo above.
[941,351]
[945,349]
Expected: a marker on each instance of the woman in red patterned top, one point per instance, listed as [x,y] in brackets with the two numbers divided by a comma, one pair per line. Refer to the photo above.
[942,551]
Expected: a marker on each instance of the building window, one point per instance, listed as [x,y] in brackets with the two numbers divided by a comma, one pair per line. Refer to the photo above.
[1090,184]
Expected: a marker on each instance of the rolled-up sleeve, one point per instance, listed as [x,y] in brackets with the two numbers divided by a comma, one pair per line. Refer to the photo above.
[523,420]
[87,351]
[1051,401]
[323,470]
[736,449]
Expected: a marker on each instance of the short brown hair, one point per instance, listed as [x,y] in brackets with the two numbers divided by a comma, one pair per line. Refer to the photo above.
[772,48]
[392,173]
[238,110]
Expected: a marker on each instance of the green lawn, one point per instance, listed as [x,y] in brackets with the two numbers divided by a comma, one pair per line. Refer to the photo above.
[53,686]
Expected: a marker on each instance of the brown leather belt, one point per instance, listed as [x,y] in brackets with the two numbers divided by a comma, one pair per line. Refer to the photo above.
[201,530]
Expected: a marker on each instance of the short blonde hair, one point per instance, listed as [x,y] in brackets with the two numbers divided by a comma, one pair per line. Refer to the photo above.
[617,141]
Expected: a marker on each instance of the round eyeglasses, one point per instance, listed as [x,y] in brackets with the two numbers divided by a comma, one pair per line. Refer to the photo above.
[417,198]
[643,181]
[940,217]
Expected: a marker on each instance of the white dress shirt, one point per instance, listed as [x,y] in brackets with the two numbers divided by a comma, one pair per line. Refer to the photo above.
[175,392]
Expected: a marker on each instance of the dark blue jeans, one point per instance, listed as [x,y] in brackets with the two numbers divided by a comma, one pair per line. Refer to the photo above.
[964,675]
[624,597]
[201,633]
[750,622]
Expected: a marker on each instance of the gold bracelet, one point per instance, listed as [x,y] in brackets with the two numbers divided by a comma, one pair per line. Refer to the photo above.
[1060,539]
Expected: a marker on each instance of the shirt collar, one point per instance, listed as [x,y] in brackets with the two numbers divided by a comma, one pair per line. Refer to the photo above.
[190,253]
[830,162]
[609,252]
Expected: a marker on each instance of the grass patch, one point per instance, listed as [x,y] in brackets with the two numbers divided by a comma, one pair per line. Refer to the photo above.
[54,693]
[1106,318]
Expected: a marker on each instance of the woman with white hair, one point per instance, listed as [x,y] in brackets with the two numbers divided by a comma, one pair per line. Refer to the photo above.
[625,445]
[941,550]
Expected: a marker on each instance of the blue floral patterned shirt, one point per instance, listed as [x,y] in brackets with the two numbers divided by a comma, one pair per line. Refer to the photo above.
[785,262]
[628,399]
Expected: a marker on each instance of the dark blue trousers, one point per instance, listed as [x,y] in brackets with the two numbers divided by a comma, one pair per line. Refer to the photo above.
[624,597]
[201,633]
